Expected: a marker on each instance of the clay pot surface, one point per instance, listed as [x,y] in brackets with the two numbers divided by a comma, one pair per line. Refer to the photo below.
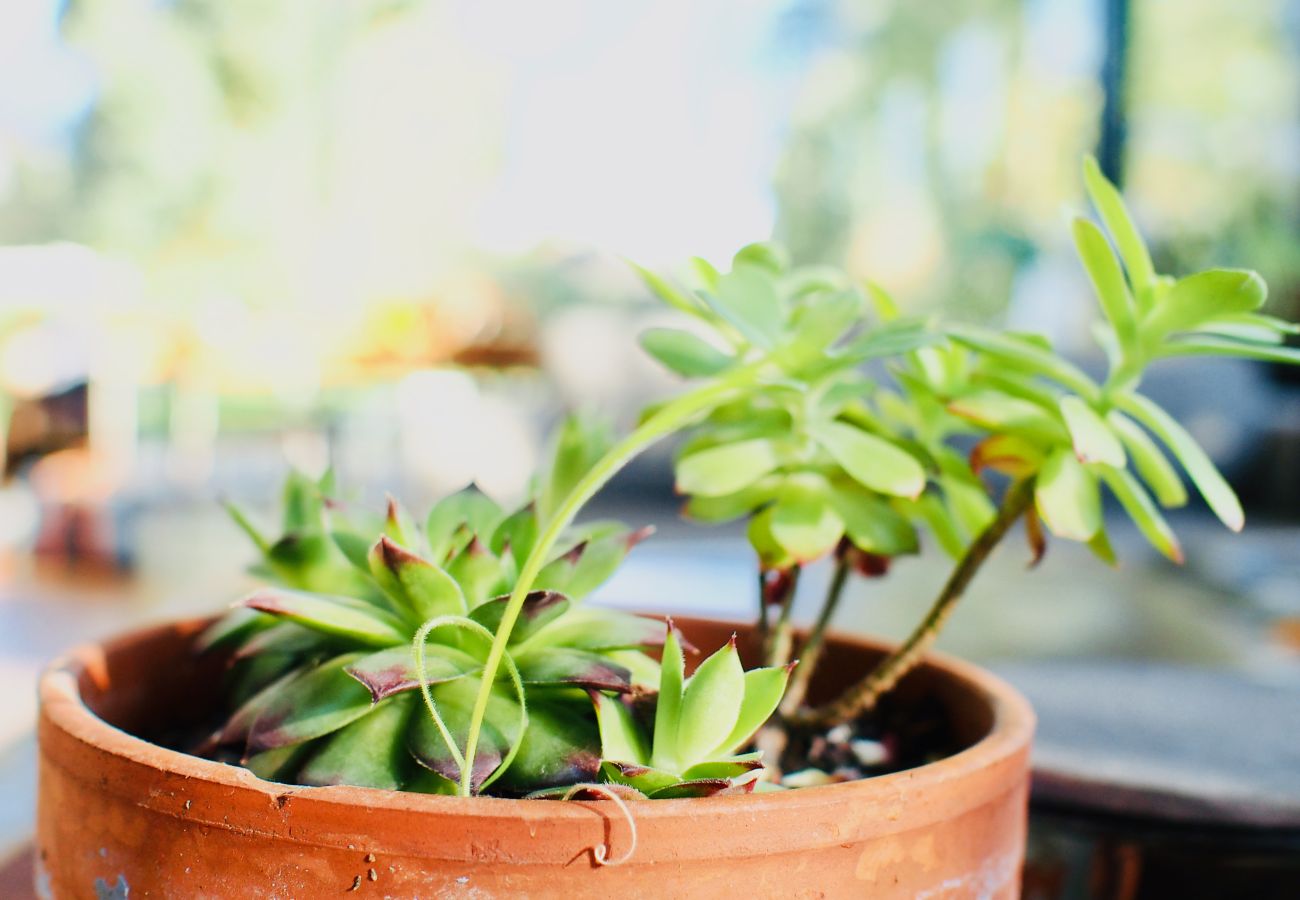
[120,816]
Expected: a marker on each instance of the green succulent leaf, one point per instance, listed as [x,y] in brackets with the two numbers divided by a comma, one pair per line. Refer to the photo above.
[1211,345]
[726,469]
[455,702]
[997,411]
[1203,297]
[539,610]
[727,769]
[369,752]
[733,506]
[576,668]
[871,460]
[1143,511]
[479,573]
[416,584]
[711,702]
[1066,496]
[1151,463]
[666,291]
[1025,353]
[393,671]
[557,748]
[746,298]
[1110,206]
[1093,439]
[598,629]
[1216,491]
[668,709]
[458,517]
[590,563]
[871,523]
[342,616]
[763,689]
[315,703]
[621,737]
[1107,280]
[804,520]
[685,353]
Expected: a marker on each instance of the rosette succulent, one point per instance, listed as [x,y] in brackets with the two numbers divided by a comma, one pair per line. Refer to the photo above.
[328,684]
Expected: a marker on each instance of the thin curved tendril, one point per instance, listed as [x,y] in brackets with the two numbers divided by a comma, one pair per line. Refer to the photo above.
[422,675]
[601,852]
[662,423]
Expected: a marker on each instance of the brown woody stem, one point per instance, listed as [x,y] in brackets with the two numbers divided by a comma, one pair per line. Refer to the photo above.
[812,648]
[863,696]
[781,638]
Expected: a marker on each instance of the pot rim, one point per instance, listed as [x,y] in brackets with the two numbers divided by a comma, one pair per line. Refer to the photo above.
[64,709]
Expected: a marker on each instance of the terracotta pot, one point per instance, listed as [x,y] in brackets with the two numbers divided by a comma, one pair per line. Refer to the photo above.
[117,813]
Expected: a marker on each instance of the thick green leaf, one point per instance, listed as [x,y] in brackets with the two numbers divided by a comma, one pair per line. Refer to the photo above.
[590,563]
[370,752]
[597,628]
[746,297]
[1151,463]
[1092,438]
[315,703]
[668,708]
[941,524]
[540,608]
[730,769]
[1025,353]
[240,518]
[1107,280]
[454,701]
[1211,345]
[234,627]
[516,534]
[705,787]
[772,554]
[469,512]
[964,493]
[393,671]
[559,746]
[479,574]
[704,273]
[997,411]
[302,504]
[1142,510]
[804,521]
[710,705]
[1101,548]
[666,291]
[576,668]
[763,691]
[684,353]
[871,523]
[645,779]
[1111,208]
[1216,491]
[416,584]
[743,502]
[871,460]
[726,469]
[399,525]
[1066,497]
[1007,453]
[1204,296]
[342,616]
[891,339]
[771,257]
[621,737]
[287,638]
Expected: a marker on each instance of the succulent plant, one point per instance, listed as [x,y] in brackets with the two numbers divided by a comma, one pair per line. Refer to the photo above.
[688,748]
[329,681]
[454,657]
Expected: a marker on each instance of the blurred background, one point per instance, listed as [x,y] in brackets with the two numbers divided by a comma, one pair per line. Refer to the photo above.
[388,236]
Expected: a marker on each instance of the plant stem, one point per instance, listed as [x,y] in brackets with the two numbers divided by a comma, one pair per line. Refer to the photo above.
[812,648]
[865,694]
[665,421]
[763,624]
[780,640]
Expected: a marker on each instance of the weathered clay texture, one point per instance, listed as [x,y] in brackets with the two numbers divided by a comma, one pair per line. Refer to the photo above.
[120,814]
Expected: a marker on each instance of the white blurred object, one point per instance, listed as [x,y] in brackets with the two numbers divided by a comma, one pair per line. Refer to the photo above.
[452,433]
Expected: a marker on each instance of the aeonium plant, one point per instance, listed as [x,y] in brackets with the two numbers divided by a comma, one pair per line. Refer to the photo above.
[456,657]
